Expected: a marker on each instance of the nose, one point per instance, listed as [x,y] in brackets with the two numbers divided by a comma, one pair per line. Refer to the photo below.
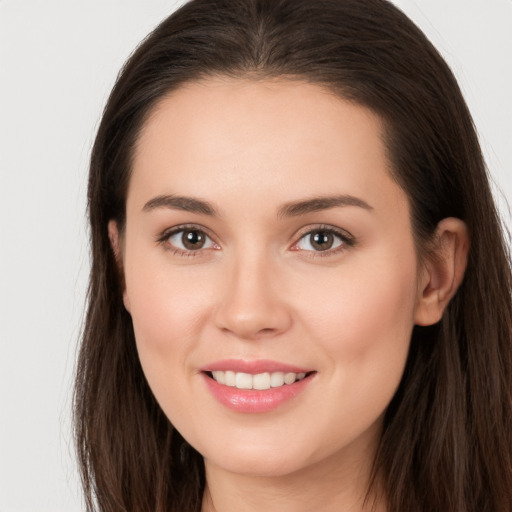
[253,301]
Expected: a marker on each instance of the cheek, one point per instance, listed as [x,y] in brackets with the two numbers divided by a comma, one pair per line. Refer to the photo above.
[363,319]
[364,298]
[167,314]
[164,312]
[166,317]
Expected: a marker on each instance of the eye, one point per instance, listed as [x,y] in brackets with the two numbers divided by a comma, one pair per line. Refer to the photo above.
[322,240]
[189,239]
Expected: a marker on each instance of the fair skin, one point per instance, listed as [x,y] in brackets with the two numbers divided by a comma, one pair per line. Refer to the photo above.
[333,287]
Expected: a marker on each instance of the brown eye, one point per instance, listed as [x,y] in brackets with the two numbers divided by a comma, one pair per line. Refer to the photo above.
[189,239]
[192,239]
[322,240]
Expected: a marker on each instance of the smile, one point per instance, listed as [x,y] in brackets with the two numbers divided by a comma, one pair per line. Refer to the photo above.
[255,386]
[260,381]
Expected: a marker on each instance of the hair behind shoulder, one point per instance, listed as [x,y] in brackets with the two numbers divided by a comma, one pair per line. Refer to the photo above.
[446,444]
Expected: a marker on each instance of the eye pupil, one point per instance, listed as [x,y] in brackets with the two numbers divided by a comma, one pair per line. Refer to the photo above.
[193,239]
[322,240]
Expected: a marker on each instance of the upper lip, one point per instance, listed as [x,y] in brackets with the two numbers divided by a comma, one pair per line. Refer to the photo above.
[253,366]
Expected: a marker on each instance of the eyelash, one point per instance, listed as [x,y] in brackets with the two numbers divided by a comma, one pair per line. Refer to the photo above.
[163,239]
[346,240]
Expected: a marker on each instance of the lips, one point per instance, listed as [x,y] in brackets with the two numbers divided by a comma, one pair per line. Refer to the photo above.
[253,366]
[255,386]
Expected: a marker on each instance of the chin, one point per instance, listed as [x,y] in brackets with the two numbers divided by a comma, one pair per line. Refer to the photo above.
[262,459]
[258,465]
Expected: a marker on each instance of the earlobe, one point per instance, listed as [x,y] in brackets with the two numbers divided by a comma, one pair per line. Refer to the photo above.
[443,271]
[115,243]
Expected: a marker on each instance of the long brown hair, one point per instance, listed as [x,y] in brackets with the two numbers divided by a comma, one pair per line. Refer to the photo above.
[446,444]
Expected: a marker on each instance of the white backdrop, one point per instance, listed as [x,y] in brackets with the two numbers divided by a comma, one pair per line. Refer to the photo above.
[58,61]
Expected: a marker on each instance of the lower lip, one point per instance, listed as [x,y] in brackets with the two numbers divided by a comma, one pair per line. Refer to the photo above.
[252,400]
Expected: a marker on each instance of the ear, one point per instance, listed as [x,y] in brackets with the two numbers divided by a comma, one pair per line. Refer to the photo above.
[115,242]
[443,271]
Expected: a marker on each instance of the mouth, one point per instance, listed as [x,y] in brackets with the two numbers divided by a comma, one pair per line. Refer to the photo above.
[256,386]
[260,381]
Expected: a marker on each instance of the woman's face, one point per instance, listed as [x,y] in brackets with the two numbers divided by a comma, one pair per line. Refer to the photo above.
[266,239]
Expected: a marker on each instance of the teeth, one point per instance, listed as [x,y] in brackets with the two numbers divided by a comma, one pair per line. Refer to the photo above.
[277,379]
[229,378]
[243,381]
[289,378]
[260,381]
[220,377]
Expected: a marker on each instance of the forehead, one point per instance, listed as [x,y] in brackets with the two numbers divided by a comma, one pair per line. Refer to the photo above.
[280,137]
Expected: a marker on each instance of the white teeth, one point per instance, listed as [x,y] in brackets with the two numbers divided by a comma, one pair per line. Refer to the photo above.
[243,381]
[229,378]
[277,379]
[219,377]
[260,381]
[289,378]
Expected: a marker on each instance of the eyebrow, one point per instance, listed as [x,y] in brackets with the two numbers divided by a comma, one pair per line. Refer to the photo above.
[293,209]
[317,204]
[188,204]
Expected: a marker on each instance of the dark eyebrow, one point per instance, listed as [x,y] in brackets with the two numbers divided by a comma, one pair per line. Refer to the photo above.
[316,204]
[187,204]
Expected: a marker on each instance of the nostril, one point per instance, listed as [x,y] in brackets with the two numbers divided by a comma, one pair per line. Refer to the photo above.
[267,330]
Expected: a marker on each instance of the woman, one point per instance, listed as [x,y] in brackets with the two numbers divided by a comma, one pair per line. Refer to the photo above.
[300,291]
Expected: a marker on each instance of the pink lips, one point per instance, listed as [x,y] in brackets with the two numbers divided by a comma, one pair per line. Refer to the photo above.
[252,400]
[254,367]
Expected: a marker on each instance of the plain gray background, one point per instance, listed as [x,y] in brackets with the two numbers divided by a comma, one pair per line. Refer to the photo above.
[58,61]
